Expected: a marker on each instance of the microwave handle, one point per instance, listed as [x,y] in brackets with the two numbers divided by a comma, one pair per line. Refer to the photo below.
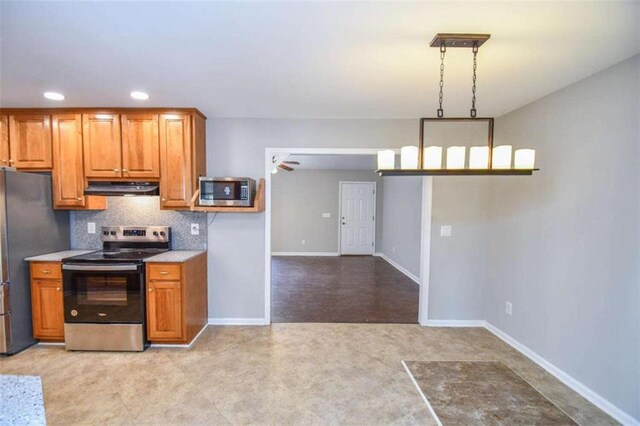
[92,267]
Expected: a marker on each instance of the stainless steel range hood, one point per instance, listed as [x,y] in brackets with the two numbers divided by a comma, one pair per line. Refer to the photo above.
[121,188]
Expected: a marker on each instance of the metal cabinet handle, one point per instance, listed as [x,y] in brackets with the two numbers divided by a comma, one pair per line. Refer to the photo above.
[125,171]
[4,160]
[79,198]
[164,199]
[11,161]
[116,170]
[150,289]
[57,288]
[164,273]
[46,272]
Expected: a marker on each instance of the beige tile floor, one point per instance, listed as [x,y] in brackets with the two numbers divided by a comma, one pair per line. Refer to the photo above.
[278,374]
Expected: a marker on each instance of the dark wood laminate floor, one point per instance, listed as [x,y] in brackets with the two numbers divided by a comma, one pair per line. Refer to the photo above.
[341,289]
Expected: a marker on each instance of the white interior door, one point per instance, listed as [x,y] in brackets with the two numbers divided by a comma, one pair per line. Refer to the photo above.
[357,217]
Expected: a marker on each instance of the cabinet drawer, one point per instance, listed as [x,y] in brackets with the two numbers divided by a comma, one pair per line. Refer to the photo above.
[46,270]
[164,272]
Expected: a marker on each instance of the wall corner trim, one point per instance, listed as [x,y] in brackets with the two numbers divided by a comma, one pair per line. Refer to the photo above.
[399,268]
[238,321]
[305,253]
[597,400]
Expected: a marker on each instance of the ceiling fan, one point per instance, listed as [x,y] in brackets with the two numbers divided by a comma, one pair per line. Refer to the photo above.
[280,162]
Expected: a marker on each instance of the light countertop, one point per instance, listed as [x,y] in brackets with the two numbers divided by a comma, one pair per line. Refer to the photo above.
[175,256]
[57,256]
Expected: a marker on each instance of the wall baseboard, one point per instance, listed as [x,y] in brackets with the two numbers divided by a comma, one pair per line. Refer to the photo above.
[305,253]
[398,267]
[456,323]
[238,321]
[170,345]
[593,397]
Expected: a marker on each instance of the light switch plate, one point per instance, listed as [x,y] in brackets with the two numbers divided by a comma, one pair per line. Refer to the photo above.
[508,308]
[326,214]
[195,229]
[91,227]
[445,230]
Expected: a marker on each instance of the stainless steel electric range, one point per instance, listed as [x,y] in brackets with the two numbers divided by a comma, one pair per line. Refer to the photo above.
[104,291]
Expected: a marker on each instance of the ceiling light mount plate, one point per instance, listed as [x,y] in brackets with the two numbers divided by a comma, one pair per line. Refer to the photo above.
[459,40]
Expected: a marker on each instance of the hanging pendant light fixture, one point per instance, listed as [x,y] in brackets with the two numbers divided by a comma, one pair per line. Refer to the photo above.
[483,160]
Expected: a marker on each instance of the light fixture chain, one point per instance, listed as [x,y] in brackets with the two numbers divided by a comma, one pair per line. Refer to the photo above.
[443,50]
[473,88]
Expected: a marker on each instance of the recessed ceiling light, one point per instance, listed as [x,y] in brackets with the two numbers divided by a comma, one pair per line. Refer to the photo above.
[141,96]
[54,96]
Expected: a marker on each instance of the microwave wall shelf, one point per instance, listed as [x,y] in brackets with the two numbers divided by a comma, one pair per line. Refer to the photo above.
[258,203]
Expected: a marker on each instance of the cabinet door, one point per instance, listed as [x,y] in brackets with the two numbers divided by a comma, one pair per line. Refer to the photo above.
[48,311]
[175,161]
[140,146]
[30,142]
[4,140]
[102,145]
[164,310]
[68,173]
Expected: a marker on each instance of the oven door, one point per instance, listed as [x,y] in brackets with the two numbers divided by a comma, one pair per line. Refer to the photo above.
[103,293]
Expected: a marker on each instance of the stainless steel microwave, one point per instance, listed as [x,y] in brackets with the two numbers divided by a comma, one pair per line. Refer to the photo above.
[227,191]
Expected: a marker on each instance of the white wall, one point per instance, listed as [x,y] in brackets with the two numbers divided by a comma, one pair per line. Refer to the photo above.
[298,200]
[401,221]
[564,244]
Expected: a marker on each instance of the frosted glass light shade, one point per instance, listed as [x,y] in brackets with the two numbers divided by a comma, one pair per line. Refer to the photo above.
[386,159]
[432,157]
[409,157]
[525,158]
[479,157]
[501,157]
[455,157]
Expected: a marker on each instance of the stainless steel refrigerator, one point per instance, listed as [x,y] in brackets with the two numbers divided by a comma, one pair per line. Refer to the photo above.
[28,226]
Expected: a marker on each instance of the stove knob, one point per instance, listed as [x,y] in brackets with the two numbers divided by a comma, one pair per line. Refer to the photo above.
[162,234]
[113,233]
[155,233]
[105,232]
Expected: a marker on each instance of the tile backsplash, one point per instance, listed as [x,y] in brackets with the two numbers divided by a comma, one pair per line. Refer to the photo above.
[138,211]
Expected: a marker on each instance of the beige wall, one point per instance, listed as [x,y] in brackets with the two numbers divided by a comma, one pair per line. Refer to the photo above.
[298,200]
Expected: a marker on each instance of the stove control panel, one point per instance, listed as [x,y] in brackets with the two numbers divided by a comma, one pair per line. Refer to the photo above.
[159,234]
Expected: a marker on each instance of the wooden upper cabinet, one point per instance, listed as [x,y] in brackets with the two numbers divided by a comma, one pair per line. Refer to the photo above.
[176,185]
[30,142]
[102,145]
[4,140]
[67,173]
[140,146]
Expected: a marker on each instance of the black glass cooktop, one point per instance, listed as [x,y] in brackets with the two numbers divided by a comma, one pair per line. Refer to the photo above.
[119,255]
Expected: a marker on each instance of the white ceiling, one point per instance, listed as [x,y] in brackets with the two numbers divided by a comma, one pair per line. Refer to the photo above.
[334,162]
[304,59]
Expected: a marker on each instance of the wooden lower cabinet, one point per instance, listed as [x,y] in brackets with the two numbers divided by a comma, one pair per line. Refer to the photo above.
[176,300]
[47,301]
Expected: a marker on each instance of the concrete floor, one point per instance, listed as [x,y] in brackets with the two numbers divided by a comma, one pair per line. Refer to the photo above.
[278,374]
[360,289]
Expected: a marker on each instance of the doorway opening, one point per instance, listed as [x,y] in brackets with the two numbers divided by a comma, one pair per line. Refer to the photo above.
[332,255]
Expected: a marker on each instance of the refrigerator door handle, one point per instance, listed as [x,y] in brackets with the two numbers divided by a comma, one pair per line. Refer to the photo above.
[4,298]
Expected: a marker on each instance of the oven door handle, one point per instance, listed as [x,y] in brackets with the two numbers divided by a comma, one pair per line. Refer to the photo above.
[92,267]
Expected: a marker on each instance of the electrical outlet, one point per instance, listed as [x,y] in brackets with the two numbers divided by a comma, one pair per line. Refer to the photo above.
[508,308]
[303,242]
[326,215]
[91,227]
[195,229]
[445,230]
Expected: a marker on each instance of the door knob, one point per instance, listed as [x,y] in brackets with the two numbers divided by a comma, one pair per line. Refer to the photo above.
[57,288]
[116,170]
[124,170]
[150,289]
[79,198]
